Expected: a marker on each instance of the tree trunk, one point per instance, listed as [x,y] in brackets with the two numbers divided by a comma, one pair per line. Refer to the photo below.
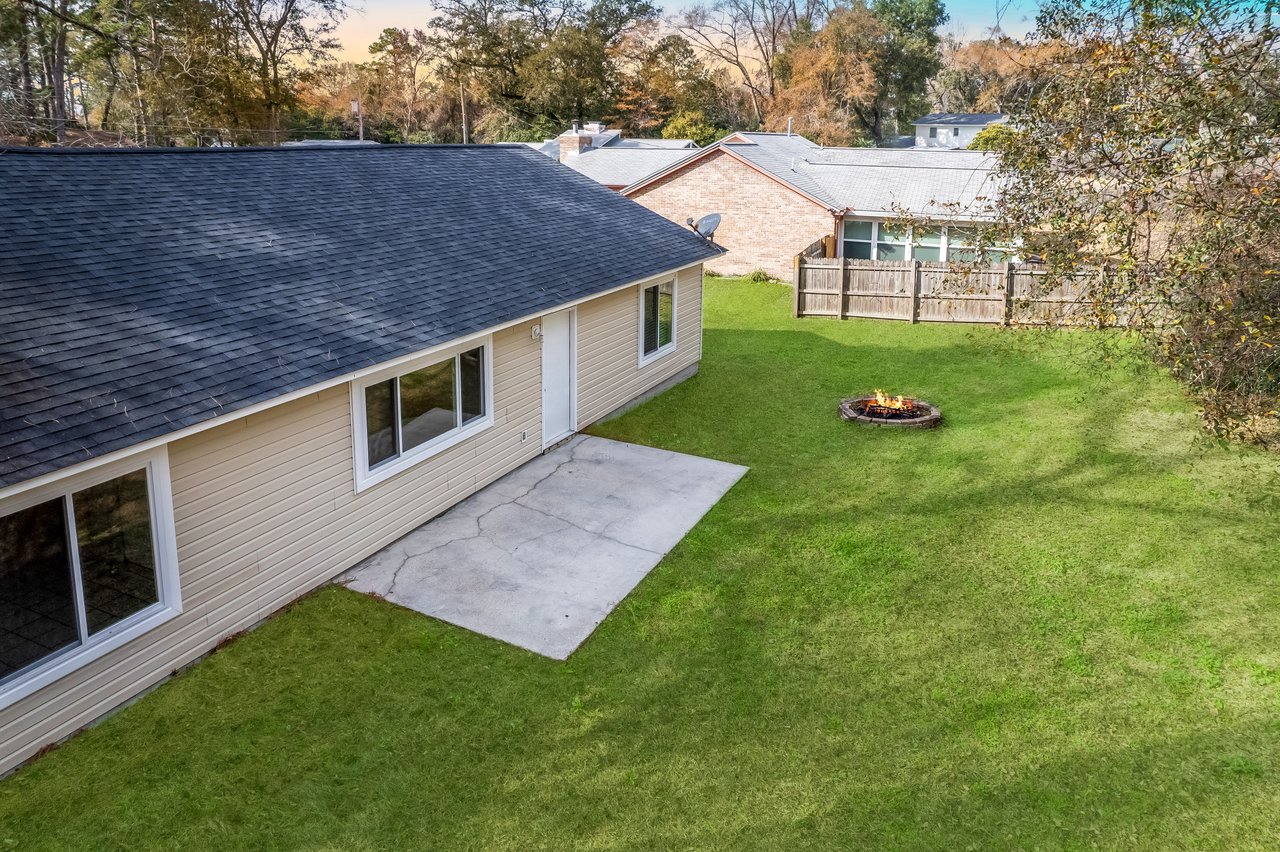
[84,103]
[273,102]
[109,99]
[756,106]
[58,77]
[141,120]
[28,91]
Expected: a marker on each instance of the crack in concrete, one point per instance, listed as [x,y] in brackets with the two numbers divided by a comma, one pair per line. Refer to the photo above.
[479,519]
[592,533]
[534,577]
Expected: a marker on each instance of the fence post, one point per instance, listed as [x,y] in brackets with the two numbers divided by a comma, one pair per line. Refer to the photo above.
[1008,293]
[915,292]
[798,279]
[844,286]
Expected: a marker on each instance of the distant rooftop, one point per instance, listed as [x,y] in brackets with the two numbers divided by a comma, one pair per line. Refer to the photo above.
[962,119]
[618,167]
[597,136]
[941,183]
[327,143]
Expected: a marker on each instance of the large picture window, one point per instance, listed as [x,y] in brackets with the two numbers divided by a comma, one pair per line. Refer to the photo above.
[864,239]
[408,416]
[658,320]
[963,247]
[81,564]
[894,242]
[859,239]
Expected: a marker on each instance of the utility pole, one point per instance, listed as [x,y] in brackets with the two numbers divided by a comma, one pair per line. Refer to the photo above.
[358,112]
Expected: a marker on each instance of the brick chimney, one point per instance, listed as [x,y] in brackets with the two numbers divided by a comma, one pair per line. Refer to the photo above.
[573,142]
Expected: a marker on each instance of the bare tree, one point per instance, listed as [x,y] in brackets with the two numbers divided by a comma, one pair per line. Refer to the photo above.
[748,35]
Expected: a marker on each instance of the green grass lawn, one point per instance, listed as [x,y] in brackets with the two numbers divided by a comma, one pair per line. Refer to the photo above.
[1054,622]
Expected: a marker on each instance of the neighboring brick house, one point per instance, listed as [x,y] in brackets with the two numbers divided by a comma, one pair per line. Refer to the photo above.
[778,194]
[764,221]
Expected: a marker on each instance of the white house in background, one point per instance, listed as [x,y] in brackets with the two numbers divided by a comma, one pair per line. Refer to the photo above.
[608,158]
[953,129]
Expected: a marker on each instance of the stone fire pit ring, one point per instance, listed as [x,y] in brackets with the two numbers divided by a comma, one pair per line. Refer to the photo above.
[924,415]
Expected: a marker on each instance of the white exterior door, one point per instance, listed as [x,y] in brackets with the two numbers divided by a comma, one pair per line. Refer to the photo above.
[558,418]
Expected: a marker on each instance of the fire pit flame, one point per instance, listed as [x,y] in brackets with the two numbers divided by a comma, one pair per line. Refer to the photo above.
[895,403]
[884,410]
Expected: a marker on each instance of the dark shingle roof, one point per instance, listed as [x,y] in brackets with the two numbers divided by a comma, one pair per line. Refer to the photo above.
[142,292]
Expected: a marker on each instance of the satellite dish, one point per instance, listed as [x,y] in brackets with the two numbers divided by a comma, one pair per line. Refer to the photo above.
[706,226]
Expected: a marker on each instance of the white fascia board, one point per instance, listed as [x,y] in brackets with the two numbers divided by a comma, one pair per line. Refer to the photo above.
[940,217]
[256,408]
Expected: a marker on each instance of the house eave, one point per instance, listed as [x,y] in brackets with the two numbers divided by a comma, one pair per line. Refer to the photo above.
[43,479]
[940,217]
[718,146]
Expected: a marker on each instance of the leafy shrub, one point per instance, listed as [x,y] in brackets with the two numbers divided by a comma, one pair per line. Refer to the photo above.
[994,137]
[692,125]
[758,276]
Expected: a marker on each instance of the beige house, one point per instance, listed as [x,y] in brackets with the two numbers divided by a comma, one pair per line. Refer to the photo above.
[779,193]
[284,360]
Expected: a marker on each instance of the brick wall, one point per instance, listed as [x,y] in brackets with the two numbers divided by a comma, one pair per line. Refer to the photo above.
[764,224]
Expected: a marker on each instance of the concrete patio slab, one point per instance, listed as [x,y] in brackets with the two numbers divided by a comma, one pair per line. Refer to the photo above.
[541,556]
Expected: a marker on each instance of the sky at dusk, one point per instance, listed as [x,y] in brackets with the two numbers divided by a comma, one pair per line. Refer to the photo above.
[969,19]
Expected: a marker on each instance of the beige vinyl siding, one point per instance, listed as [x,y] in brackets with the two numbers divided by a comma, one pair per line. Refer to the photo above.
[609,375]
[265,507]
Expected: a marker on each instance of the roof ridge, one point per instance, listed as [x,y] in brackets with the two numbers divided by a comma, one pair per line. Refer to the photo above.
[973,168]
[259,149]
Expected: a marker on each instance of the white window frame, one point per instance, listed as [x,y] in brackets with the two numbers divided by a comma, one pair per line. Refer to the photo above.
[661,351]
[944,247]
[874,233]
[366,478]
[1010,252]
[875,237]
[58,665]
[907,243]
[941,246]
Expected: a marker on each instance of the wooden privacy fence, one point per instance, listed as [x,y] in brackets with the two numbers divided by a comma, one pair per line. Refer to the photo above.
[921,291]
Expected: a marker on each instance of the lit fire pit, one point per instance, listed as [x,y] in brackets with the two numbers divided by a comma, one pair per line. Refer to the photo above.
[885,410]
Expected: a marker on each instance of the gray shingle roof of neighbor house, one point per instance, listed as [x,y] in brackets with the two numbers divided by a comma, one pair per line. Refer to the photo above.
[142,292]
[936,183]
[652,143]
[619,166]
[612,139]
[889,181]
[961,119]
